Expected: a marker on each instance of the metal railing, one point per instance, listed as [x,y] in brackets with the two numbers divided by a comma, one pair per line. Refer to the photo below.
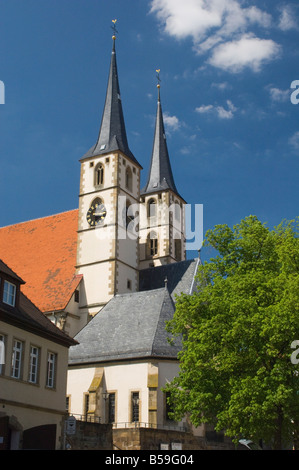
[86,418]
[90,418]
[138,425]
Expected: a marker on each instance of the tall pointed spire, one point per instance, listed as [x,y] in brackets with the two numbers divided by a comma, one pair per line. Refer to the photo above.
[160,176]
[112,135]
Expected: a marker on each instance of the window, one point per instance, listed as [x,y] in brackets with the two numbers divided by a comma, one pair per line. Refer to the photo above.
[129,284]
[129,178]
[67,403]
[152,243]
[111,408]
[178,249]
[154,246]
[135,406]
[151,208]
[16,363]
[77,296]
[34,364]
[177,211]
[2,353]
[130,216]
[86,405]
[99,175]
[51,369]
[9,293]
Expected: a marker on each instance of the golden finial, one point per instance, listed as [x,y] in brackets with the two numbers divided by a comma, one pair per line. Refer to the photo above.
[158,77]
[114,29]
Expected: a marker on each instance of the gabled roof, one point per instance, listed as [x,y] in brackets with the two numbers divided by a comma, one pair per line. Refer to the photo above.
[160,177]
[26,316]
[43,253]
[130,326]
[9,272]
[112,136]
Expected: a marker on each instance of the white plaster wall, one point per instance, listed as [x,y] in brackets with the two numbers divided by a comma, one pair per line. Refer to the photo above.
[78,383]
[125,379]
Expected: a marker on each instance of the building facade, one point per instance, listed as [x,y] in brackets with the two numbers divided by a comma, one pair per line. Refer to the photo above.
[33,366]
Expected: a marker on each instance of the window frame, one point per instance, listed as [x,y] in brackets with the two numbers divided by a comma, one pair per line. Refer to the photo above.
[32,357]
[17,359]
[7,294]
[135,407]
[129,179]
[99,175]
[51,370]
[3,340]
[111,407]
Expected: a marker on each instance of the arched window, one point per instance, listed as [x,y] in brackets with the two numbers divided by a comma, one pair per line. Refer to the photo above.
[99,175]
[152,208]
[129,179]
[152,244]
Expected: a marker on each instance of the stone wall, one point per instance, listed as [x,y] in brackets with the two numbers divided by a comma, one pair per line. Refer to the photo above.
[151,439]
[90,436]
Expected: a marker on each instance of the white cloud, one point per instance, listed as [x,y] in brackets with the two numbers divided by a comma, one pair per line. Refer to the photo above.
[247,52]
[204,109]
[294,141]
[226,113]
[172,123]
[218,27]
[221,86]
[286,20]
[220,111]
[279,95]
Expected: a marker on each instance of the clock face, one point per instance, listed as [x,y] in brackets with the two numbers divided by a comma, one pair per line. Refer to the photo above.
[96,214]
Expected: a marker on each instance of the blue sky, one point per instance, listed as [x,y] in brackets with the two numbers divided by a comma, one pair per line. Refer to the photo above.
[226,71]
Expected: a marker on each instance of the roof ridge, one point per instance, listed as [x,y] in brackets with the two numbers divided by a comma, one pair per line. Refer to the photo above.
[166,292]
[38,218]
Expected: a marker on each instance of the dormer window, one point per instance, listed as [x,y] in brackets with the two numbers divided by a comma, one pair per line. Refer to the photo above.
[9,293]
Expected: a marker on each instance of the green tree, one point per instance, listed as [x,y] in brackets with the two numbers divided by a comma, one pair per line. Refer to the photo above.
[237,329]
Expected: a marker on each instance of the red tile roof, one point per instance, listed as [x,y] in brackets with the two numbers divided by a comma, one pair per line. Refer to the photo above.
[43,253]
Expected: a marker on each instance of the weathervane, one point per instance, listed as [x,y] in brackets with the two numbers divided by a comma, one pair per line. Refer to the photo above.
[114,28]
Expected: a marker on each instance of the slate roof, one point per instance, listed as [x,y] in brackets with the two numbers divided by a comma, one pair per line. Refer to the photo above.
[112,136]
[130,326]
[160,177]
[180,277]
[43,252]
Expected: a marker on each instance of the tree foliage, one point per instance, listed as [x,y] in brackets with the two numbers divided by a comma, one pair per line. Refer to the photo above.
[237,329]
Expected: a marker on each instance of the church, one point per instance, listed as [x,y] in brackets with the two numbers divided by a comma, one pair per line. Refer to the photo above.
[107,274]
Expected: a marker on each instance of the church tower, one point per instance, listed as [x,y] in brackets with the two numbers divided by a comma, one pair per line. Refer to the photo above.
[107,253]
[162,218]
